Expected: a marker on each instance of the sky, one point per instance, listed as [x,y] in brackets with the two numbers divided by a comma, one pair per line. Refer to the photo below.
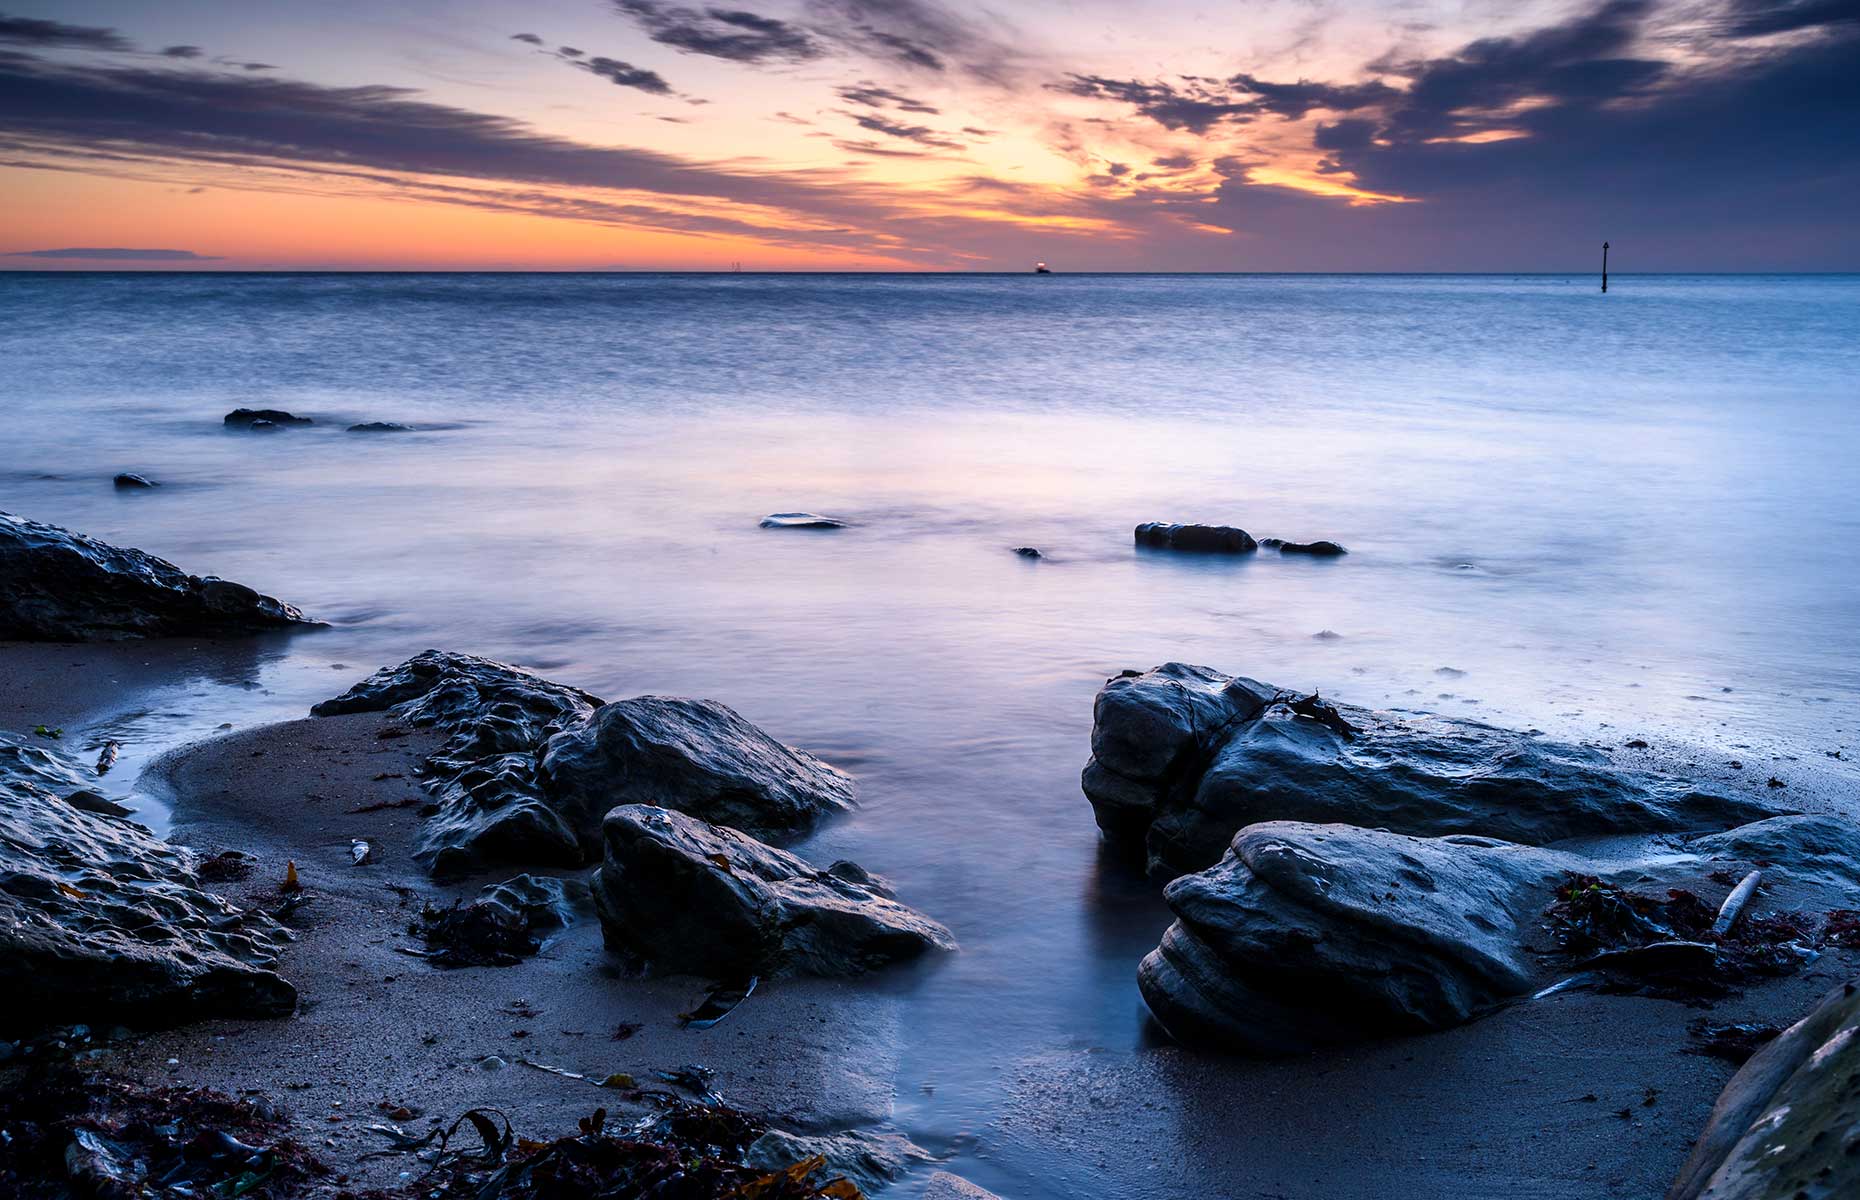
[1121,135]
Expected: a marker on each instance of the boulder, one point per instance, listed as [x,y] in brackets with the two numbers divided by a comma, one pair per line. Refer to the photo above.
[380,427]
[61,586]
[1028,552]
[1204,539]
[694,898]
[1184,757]
[102,922]
[1788,1124]
[130,482]
[246,418]
[873,1161]
[695,756]
[801,520]
[1315,549]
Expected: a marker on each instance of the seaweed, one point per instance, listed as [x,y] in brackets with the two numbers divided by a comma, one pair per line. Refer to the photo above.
[475,935]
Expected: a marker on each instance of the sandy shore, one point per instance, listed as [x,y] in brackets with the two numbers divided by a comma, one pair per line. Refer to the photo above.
[1577,1095]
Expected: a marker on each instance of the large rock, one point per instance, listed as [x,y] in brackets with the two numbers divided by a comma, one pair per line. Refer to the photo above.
[694,898]
[695,756]
[59,586]
[1184,757]
[1787,1126]
[100,921]
[276,418]
[532,766]
[1203,539]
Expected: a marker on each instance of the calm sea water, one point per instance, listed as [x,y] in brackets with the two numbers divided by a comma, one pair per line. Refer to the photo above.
[1604,511]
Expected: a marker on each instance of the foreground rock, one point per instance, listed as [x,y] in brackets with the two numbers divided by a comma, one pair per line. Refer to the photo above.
[1315,549]
[1183,757]
[801,520]
[871,1160]
[277,418]
[695,898]
[102,922]
[1787,1125]
[1204,539]
[531,767]
[59,586]
[1306,935]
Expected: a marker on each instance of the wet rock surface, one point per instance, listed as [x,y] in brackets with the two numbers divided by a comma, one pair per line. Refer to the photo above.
[1184,757]
[380,427]
[871,1159]
[129,481]
[1319,549]
[1787,1125]
[276,418]
[689,897]
[100,921]
[59,586]
[508,921]
[1201,539]
[801,520]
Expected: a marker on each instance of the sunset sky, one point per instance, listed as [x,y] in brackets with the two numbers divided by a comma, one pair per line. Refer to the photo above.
[930,134]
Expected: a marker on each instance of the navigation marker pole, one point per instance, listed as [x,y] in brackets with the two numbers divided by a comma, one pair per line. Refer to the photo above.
[1604,266]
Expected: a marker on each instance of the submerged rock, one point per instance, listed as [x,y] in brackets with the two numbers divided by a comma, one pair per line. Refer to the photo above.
[1205,539]
[276,418]
[1028,552]
[1184,757]
[694,756]
[1315,549]
[61,586]
[871,1160]
[101,921]
[801,520]
[380,427]
[130,482]
[694,898]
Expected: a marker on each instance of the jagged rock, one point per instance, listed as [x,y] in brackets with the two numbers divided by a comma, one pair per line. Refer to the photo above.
[1205,539]
[380,427]
[695,756]
[1316,549]
[130,481]
[694,898]
[1787,1124]
[274,417]
[801,520]
[873,1161]
[59,586]
[1183,757]
[101,921]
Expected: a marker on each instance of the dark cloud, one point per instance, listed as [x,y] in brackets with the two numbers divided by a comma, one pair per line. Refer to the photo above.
[1758,18]
[116,254]
[727,33]
[182,52]
[921,134]
[28,31]
[1192,106]
[625,74]
[873,96]
[570,51]
[1293,100]
[531,38]
[917,34]
[1174,162]
[877,150]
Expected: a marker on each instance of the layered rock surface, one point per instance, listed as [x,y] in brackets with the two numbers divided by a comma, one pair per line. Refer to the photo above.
[690,897]
[59,586]
[102,922]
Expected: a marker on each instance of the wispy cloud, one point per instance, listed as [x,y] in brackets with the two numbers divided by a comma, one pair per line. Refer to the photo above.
[114,254]
[29,31]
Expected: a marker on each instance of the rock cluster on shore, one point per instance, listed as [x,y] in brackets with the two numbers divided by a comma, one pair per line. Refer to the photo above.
[100,921]
[66,587]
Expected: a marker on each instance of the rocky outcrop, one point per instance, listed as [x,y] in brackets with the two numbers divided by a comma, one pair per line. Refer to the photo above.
[689,897]
[1315,549]
[276,418]
[1184,757]
[59,586]
[801,520]
[1203,539]
[380,427]
[1788,1124]
[531,767]
[100,921]
[694,756]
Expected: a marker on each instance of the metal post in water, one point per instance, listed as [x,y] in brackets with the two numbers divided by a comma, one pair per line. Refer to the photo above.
[1604,266]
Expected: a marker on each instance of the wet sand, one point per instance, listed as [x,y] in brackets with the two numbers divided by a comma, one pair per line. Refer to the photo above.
[1576,1095]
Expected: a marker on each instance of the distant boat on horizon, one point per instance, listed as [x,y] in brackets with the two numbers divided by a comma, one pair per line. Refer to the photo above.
[1041,268]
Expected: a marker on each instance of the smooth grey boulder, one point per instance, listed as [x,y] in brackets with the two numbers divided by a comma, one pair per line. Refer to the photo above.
[276,418]
[1184,757]
[801,520]
[100,921]
[129,481]
[1202,539]
[1787,1126]
[695,756]
[59,586]
[870,1159]
[1307,935]
[689,897]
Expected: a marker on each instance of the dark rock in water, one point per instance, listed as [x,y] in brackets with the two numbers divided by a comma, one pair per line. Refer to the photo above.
[1306,935]
[1028,552]
[1205,539]
[1315,549]
[508,922]
[1184,757]
[872,1160]
[88,801]
[697,757]
[128,481]
[1786,1125]
[532,766]
[274,417]
[694,898]
[64,587]
[101,921]
[380,427]
[801,521]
